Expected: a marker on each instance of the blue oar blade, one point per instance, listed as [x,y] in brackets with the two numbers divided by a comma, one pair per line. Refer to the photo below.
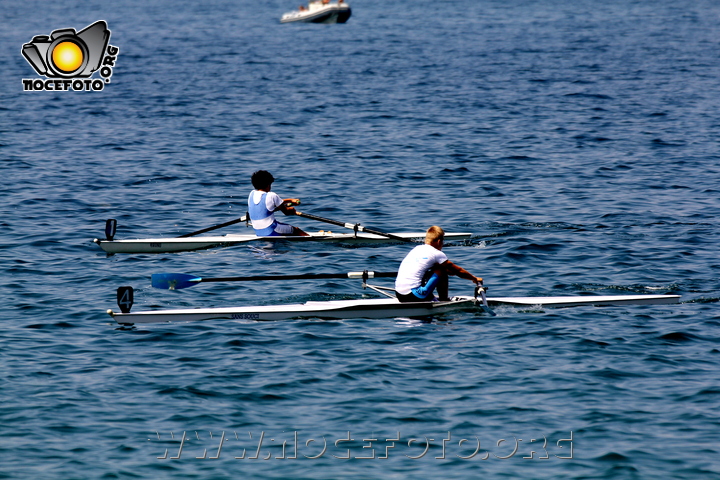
[482,303]
[485,305]
[489,311]
[174,281]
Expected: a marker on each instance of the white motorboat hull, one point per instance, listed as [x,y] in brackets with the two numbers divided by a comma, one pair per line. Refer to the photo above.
[184,244]
[331,13]
[375,308]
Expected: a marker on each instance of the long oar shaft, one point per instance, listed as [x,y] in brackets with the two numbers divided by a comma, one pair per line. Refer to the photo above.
[353,226]
[176,281]
[215,227]
[302,276]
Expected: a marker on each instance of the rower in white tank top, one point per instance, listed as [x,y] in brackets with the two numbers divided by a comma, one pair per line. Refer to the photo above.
[262,205]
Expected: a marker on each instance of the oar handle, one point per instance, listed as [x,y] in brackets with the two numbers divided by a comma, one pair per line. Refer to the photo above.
[354,226]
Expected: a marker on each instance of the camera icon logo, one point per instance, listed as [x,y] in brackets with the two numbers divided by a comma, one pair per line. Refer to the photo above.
[66,53]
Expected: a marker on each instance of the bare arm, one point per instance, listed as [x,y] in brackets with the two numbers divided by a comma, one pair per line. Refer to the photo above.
[287,206]
[458,271]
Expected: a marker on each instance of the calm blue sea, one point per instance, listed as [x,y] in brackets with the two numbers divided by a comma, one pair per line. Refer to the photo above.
[577,140]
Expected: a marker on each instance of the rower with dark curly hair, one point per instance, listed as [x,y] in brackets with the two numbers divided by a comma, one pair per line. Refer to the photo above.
[262,205]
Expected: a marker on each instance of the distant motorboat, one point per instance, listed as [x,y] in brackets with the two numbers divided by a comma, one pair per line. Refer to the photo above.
[320,12]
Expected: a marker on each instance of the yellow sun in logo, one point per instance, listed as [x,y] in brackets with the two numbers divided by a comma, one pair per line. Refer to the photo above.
[67,56]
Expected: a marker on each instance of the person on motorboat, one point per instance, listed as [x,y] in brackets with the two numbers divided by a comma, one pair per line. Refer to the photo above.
[262,205]
[427,268]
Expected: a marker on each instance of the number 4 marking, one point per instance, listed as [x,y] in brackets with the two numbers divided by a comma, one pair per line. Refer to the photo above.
[125,299]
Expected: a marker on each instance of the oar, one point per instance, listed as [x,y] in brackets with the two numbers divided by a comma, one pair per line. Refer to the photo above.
[353,226]
[481,290]
[244,218]
[176,281]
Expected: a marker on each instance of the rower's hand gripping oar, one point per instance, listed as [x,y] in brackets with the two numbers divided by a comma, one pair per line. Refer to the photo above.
[481,290]
[353,226]
[176,281]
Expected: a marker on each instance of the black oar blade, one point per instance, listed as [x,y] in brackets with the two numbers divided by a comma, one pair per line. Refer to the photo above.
[110,228]
[174,281]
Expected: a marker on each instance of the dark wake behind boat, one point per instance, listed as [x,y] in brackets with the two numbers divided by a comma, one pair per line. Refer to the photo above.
[320,12]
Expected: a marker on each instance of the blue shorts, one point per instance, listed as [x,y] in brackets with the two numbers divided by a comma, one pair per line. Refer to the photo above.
[277,229]
[425,291]
[282,229]
[421,293]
